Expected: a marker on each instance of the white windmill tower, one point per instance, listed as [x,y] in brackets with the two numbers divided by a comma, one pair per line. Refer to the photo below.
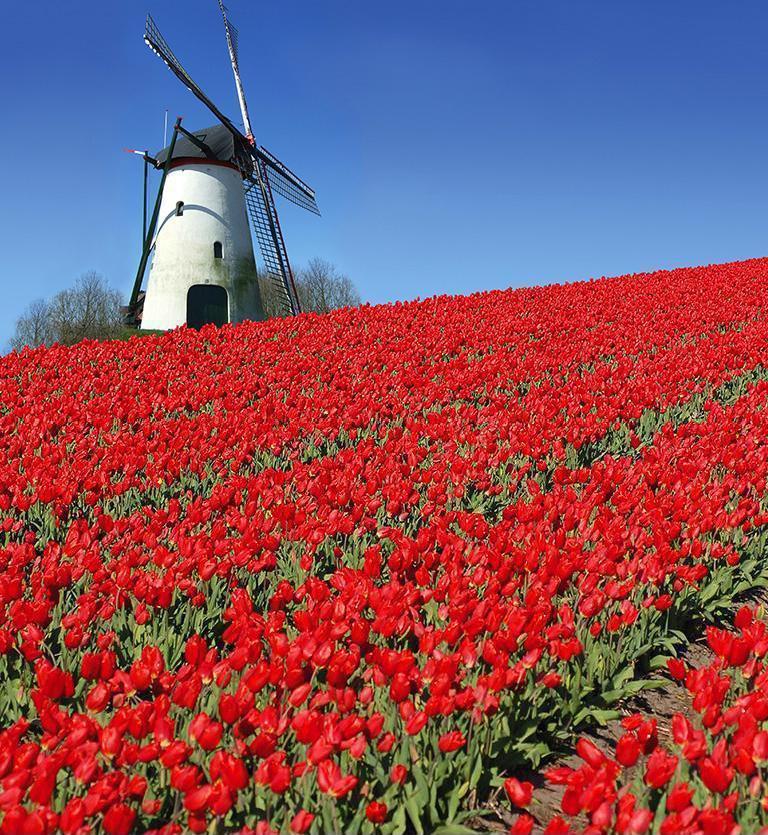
[203,268]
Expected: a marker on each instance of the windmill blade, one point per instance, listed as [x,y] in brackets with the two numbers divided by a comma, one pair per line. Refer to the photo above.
[263,215]
[231,33]
[232,39]
[286,183]
[157,43]
[266,228]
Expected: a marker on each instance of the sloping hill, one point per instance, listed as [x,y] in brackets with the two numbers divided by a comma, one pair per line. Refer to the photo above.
[368,566]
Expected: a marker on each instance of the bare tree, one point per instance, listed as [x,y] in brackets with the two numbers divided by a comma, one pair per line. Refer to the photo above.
[89,310]
[320,286]
[33,327]
[272,299]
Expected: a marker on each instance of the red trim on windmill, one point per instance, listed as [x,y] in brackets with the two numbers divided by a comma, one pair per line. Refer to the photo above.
[176,162]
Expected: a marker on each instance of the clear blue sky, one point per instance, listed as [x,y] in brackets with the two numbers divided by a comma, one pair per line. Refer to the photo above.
[454,146]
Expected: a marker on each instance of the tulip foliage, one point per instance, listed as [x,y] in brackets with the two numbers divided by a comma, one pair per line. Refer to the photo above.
[708,778]
[353,572]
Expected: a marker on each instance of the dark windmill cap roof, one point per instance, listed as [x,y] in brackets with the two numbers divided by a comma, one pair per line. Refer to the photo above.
[223,145]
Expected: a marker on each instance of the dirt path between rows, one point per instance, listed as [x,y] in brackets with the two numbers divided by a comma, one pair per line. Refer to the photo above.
[660,704]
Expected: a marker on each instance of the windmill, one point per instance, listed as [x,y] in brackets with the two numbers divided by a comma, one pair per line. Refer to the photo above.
[213,181]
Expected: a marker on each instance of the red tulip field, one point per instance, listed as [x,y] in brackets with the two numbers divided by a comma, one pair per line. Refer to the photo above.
[391,570]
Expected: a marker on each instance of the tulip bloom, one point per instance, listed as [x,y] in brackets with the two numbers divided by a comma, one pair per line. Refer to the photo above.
[519,793]
[376,812]
[451,741]
[301,821]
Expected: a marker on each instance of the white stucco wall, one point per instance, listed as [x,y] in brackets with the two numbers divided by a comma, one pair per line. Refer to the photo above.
[183,254]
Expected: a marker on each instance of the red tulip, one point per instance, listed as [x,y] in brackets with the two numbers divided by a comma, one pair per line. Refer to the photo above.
[301,821]
[659,768]
[590,753]
[118,819]
[676,668]
[760,746]
[205,731]
[716,777]
[376,812]
[198,798]
[523,825]
[627,750]
[230,770]
[415,724]
[398,774]
[519,793]
[451,741]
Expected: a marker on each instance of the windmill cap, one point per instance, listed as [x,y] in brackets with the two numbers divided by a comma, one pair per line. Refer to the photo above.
[223,144]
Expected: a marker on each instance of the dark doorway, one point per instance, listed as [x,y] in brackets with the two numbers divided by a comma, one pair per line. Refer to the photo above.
[206,305]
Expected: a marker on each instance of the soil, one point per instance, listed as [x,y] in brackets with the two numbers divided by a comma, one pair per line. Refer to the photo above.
[660,704]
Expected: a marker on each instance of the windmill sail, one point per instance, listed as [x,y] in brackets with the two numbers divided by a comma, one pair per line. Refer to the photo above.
[266,228]
[232,39]
[157,43]
[286,183]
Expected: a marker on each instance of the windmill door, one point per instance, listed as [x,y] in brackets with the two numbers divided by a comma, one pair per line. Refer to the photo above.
[207,304]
